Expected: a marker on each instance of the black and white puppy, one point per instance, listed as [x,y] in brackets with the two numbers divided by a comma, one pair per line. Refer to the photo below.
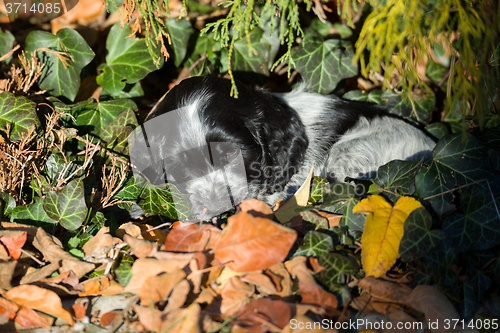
[221,150]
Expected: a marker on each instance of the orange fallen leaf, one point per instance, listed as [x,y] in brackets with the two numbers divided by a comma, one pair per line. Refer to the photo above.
[235,294]
[191,237]
[108,318]
[8,309]
[253,243]
[100,241]
[27,317]
[158,287]
[142,269]
[39,299]
[263,315]
[315,294]
[178,296]
[6,273]
[80,309]
[256,208]
[139,247]
[263,283]
[13,242]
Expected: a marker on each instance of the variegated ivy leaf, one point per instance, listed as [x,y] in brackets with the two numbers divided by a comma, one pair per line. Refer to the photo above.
[128,60]
[116,133]
[67,206]
[60,78]
[31,214]
[19,111]
[179,30]
[323,64]
[167,202]
[315,244]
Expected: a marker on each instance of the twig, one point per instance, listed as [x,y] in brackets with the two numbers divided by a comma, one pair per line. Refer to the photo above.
[10,53]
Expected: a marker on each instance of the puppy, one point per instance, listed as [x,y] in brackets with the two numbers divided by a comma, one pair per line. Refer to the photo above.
[221,150]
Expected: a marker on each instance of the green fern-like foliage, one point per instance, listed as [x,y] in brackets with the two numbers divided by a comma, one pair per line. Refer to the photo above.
[399,34]
[244,16]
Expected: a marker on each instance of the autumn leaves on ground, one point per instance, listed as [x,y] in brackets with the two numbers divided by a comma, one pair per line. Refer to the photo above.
[197,278]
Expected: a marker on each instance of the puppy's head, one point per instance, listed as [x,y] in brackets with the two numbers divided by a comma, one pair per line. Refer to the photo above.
[219,149]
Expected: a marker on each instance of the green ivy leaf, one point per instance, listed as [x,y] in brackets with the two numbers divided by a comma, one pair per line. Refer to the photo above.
[478,227]
[374,96]
[60,79]
[7,40]
[435,71]
[353,221]
[19,111]
[56,164]
[453,163]
[128,60]
[323,64]
[157,201]
[337,268]
[31,214]
[179,30]
[437,129]
[418,238]
[317,220]
[315,244]
[67,206]
[116,133]
[245,60]
[132,91]
[317,186]
[92,117]
[7,204]
[398,177]
[123,272]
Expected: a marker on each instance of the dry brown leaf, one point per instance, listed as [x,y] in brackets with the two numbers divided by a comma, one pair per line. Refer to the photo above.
[52,250]
[84,13]
[302,324]
[102,239]
[149,317]
[108,318]
[8,309]
[29,229]
[80,309]
[158,287]
[298,269]
[41,273]
[142,269]
[131,229]
[4,254]
[253,243]
[178,296]
[433,304]
[384,291]
[263,315]
[262,282]
[281,278]
[316,295]
[13,241]
[39,299]
[139,247]
[400,317]
[6,273]
[256,208]
[100,286]
[191,237]
[235,294]
[142,231]
[27,317]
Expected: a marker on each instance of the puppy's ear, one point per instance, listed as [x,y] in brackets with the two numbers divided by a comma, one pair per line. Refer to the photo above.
[284,143]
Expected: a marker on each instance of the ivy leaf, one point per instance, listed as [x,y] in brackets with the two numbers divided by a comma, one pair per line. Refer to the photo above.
[123,272]
[179,31]
[374,96]
[7,40]
[438,130]
[58,78]
[315,244]
[353,221]
[418,238]
[317,186]
[92,117]
[244,59]
[398,177]
[166,202]
[19,111]
[323,64]
[383,231]
[478,227]
[453,163]
[67,206]
[337,268]
[436,72]
[116,133]
[128,60]
[7,204]
[420,109]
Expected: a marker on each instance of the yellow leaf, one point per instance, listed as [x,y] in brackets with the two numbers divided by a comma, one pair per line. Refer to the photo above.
[383,231]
